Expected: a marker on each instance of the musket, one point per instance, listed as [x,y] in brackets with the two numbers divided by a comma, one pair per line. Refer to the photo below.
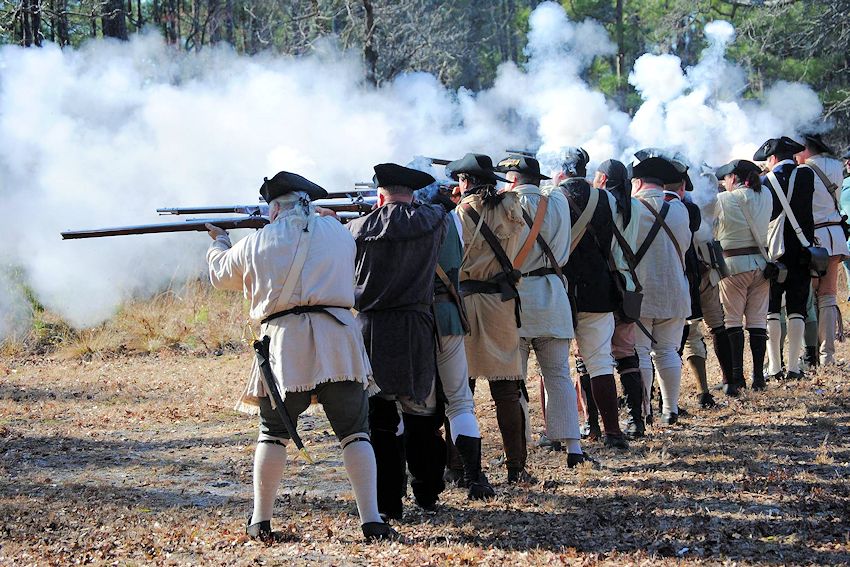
[256,217]
[191,226]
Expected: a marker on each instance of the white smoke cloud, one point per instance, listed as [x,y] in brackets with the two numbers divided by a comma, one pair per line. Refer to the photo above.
[102,135]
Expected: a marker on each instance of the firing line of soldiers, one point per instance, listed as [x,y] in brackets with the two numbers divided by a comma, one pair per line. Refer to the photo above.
[452,291]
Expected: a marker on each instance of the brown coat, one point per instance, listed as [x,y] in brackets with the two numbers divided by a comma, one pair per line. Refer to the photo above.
[492,347]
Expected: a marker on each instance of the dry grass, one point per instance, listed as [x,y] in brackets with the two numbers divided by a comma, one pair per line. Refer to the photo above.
[193,318]
[135,460]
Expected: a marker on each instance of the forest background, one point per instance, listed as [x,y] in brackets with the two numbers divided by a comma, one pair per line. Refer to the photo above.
[462,42]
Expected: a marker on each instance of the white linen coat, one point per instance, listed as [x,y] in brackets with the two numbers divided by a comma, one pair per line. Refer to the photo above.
[665,286]
[310,348]
[823,206]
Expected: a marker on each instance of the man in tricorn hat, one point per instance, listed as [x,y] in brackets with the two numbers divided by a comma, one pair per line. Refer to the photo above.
[663,237]
[492,235]
[397,248]
[829,233]
[546,314]
[778,154]
[297,272]
[463,435]
[591,276]
[612,176]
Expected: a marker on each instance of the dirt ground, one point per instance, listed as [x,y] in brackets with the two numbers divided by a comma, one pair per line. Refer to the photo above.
[140,460]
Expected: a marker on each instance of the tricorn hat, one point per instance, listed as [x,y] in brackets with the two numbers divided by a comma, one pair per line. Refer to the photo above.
[778,146]
[389,174]
[575,161]
[477,165]
[525,165]
[815,142]
[286,182]
[657,168]
[676,158]
[739,167]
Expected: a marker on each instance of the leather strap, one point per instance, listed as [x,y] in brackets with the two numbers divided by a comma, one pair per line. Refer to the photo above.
[660,219]
[454,295]
[535,226]
[752,224]
[547,250]
[491,239]
[745,251]
[783,200]
[628,256]
[580,226]
[650,236]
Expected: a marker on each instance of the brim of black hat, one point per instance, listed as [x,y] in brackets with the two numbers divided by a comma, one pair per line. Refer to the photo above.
[819,146]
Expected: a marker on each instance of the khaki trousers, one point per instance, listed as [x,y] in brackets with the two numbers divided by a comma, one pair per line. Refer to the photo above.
[745,296]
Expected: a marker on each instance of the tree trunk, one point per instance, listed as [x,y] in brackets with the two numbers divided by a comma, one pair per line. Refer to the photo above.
[369,53]
[114,19]
[228,22]
[31,23]
[621,50]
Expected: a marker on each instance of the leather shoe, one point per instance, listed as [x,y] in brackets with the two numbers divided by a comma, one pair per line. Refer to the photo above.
[380,531]
[669,418]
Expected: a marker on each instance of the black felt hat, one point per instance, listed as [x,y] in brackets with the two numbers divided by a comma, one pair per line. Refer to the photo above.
[477,165]
[615,171]
[846,155]
[525,165]
[657,168]
[740,167]
[390,174]
[286,182]
[778,146]
[816,143]
[676,158]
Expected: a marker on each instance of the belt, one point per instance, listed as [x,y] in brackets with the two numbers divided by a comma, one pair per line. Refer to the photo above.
[306,309]
[746,251]
[541,272]
[826,224]
[418,307]
[443,298]
[471,287]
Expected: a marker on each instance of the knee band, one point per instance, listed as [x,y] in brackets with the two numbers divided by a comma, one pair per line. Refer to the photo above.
[280,442]
[628,364]
[354,438]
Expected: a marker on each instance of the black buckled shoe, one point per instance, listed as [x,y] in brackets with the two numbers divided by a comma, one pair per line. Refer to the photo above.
[706,401]
[454,477]
[481,489]
[379,531]
[731,390]
[520,476]
[758,382]
[260,530]
[795,375]
[669,418]
[613,441]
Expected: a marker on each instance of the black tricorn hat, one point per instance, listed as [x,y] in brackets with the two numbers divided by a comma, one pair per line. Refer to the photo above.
[739,167]
[816,143]
[286,182]
[658,168]
[389,174]
[525,165]
[477,165]
[778,146]
[677,159]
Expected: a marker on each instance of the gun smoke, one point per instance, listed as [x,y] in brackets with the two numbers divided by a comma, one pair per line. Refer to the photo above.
[105,134]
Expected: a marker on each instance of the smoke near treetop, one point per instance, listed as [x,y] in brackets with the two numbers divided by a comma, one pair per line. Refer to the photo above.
[104,134]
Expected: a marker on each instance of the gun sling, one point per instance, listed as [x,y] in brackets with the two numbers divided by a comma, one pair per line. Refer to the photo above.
[503,283]
[547,250]
[451,296]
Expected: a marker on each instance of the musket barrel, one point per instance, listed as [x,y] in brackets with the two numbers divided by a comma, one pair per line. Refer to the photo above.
[198,226]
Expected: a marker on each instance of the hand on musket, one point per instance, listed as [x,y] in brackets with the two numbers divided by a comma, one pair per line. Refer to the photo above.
[324,212]
[215,231]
